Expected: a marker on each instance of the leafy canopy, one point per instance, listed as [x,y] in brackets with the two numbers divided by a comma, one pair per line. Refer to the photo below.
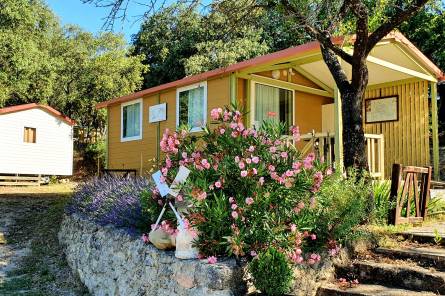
[65,67]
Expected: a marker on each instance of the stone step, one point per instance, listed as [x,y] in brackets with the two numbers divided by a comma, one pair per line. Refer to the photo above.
[367,290]
[396,275]
[426,257]
[426,234]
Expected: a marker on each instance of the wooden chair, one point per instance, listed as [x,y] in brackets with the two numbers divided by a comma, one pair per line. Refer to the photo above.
[415,187]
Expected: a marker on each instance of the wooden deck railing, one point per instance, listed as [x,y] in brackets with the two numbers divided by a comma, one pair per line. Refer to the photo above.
[322,144]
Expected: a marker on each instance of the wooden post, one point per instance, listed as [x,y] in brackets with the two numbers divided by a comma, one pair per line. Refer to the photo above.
[395,185]
[426,193]
[106,140]
[435,126]
[158,136]
[338,126]
[233,88]
[382,157]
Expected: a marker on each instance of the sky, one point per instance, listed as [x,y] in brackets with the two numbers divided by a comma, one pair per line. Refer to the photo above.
[91,18]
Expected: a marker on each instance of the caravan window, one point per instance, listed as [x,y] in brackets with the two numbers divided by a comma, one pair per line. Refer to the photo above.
[131,120]
[191,102]
[29,135]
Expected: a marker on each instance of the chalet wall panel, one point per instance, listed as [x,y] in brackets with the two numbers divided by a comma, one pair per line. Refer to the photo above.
[137,154]
[407,139]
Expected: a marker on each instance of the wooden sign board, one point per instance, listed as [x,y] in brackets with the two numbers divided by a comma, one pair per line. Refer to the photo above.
[382,109]
[157,113]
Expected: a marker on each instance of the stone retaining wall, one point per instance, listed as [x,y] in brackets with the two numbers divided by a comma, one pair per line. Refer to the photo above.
[109,261]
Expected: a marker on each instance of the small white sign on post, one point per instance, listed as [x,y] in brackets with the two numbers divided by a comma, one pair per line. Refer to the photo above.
[180,178]
[157,113]
[162,186]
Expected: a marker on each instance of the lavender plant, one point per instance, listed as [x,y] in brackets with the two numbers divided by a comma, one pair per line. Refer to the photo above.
[122,202]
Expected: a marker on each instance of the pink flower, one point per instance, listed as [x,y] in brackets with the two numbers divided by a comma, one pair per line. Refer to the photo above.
[329,172]
[293,227]
[243,174]
[164,171]
[233,125]
[205,163]
[145,238]
[215,113]
[184,155]
[202,196]
[234,134]
[253,253]
[271,168]
[254,171]
[273,149]
[284,154]
[249,201]
[300,205]
[289,173]
[261,181]
[237,159]
[222,131]
[255,159]
[251,148]
[234,206]
[179,198]
[218,184]
[248,160]
[234,215]
[241,165]
[313,237]
[308,161]
[212,260]
[231,199]
[296,166]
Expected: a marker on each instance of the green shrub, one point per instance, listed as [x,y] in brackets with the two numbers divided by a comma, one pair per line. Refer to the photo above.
[271,272]
[382,203]
[343,204]
[95,151]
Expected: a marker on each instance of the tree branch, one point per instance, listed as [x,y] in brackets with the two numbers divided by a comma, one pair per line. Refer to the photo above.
[324,37]
[393,22]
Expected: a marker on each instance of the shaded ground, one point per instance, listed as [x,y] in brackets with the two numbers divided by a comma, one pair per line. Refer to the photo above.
[31,260]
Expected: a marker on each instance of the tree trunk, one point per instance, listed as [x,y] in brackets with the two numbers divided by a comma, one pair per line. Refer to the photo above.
[354,153]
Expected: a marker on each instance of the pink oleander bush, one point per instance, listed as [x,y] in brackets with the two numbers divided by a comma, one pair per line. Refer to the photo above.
[250,190]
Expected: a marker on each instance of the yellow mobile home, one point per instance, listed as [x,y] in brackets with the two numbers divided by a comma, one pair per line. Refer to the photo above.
[294,86]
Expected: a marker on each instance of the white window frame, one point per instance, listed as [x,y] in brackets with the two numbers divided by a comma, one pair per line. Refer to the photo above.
[253,99]
[189,87]
[134,138]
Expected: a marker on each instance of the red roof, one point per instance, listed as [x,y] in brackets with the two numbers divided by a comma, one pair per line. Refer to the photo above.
[48,109]
[272,57]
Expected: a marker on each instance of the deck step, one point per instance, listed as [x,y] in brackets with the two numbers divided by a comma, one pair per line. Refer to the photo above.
[367,290]
[426,234]
[399,276]
[432,257]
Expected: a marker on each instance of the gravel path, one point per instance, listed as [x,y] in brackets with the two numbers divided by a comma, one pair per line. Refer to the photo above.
[31,260]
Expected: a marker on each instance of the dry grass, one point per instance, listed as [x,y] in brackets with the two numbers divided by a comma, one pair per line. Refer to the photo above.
[38,212]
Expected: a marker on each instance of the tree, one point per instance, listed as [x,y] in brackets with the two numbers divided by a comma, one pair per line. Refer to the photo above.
[92,69]
[65,67]
[322,20]
[178,41]
[427,31]
[27,31]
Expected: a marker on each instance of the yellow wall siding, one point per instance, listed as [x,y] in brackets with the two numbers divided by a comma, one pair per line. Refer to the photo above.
[406,140]
[308,111]
[128,155]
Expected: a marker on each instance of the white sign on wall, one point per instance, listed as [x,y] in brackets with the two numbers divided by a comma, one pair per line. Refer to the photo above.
[381,109]
[157,113]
